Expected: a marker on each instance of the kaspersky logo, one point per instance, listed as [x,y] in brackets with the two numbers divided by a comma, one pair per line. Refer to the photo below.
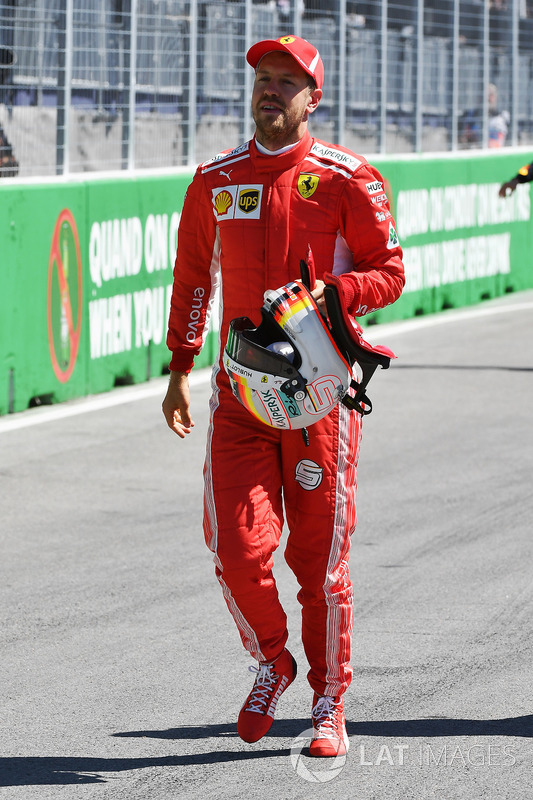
[64,296]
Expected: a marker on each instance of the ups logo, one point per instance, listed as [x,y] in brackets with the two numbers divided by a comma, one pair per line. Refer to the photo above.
[248,200]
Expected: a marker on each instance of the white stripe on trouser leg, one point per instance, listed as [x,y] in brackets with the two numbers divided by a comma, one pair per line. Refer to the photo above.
[248,636]
[345,512]
[250,640]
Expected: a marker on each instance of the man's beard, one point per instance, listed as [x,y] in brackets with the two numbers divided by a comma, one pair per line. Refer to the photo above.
[280,128]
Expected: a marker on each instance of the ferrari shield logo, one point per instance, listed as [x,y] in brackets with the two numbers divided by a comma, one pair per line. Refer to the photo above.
[307,184]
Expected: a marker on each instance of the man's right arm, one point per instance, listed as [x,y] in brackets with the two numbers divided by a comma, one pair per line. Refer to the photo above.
[176,404]
[195,270]
[191,294]
[508,187]
[525,174]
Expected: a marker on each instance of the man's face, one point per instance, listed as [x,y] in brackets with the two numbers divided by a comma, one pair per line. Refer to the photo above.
[281,100]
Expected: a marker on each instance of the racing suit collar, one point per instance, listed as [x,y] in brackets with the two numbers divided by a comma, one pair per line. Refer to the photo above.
[273,163]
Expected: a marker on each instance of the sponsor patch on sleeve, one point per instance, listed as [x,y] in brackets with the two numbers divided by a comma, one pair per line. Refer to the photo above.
[374,187]
[393,238]
[242,148]
[338,156]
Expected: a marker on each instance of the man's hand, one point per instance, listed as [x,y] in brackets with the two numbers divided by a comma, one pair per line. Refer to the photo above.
[176,404]
[508,187]
[318,294]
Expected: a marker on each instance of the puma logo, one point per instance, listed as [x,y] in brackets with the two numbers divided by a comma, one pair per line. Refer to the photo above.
[226,174]
[273,703]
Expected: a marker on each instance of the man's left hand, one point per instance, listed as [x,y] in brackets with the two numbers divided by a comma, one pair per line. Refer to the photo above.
[318,294]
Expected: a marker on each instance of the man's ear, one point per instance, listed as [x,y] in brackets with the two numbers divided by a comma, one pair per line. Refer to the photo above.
[314,99]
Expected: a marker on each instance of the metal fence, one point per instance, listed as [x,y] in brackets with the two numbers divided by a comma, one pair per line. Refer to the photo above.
[89,85]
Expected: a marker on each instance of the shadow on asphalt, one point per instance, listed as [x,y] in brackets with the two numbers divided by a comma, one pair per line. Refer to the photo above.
[431,727]
[63,770]
[35,771]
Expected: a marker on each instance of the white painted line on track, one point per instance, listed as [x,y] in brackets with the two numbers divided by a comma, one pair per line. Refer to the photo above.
[157,387]
[417,323]
[85,405]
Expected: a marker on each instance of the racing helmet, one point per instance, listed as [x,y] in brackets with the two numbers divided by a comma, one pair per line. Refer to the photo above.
[288,372]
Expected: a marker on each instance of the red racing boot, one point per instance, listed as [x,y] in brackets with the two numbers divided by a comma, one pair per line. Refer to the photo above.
[257,714]
[329,728]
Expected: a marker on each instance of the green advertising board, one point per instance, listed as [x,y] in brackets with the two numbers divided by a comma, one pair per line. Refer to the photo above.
[86,266]
[85,281]
[462,243]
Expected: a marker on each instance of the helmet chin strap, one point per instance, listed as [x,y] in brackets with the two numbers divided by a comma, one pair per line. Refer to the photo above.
[346,332]
[307,270]
[361,402]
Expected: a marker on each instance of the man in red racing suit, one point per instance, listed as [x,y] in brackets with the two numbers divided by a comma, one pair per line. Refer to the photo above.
[248,219]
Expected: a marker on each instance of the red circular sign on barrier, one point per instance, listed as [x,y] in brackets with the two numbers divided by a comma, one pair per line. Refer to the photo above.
[64,296]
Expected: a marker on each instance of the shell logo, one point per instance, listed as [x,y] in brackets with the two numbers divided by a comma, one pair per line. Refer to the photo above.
[223,201]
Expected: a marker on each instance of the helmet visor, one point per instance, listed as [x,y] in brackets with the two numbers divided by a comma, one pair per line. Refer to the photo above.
[245,351]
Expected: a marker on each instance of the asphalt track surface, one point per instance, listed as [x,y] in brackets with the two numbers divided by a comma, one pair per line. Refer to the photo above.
[121,671]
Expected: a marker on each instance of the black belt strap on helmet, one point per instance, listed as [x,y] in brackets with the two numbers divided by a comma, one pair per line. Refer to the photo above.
[349,341]
[347,335]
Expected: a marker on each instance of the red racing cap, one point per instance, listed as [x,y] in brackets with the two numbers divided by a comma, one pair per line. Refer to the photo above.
[302,51]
